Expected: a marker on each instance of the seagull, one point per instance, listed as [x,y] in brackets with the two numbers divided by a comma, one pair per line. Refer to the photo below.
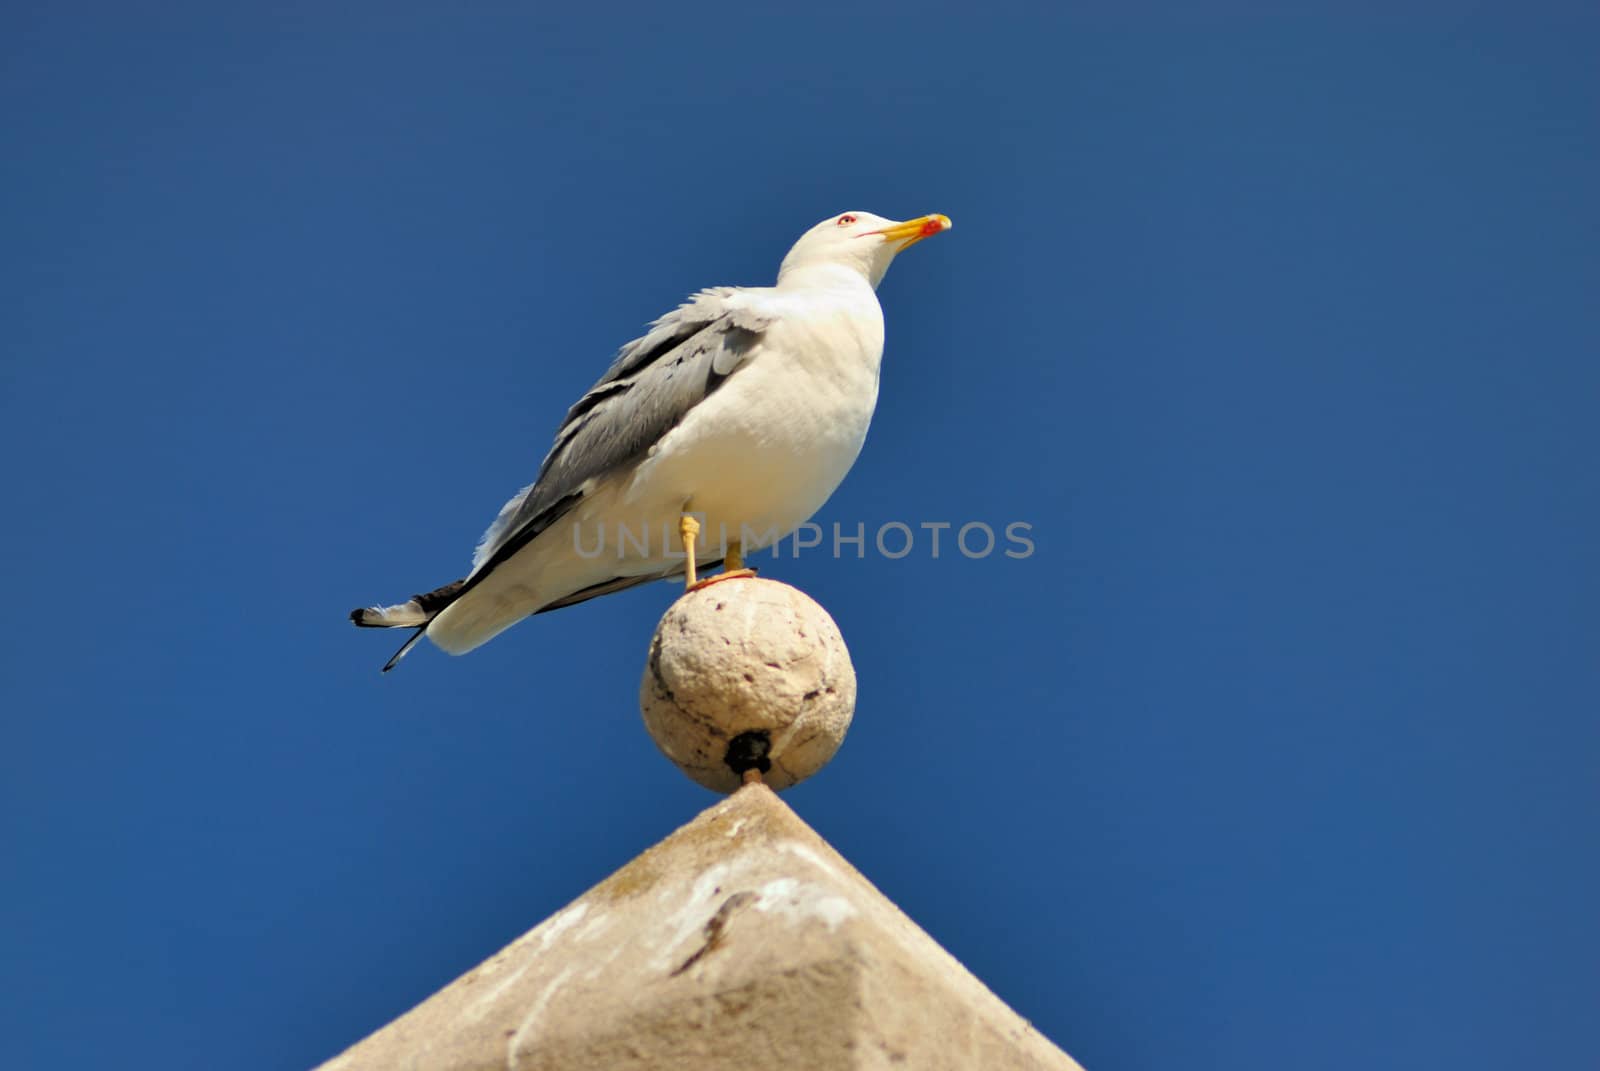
[738,413]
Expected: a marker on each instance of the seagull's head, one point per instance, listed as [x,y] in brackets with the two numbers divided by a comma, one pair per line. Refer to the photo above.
[859,241]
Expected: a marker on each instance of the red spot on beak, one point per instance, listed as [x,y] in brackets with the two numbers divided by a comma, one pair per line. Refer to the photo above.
[932,227]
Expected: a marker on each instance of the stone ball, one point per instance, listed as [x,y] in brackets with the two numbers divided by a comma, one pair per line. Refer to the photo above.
[748,673]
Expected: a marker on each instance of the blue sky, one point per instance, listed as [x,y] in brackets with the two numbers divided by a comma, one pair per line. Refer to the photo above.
[1280,331]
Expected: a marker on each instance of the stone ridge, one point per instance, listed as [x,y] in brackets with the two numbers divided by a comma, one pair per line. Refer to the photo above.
[741,941]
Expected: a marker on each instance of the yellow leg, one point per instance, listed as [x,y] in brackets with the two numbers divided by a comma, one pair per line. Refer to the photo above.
[732,568]
[688,531]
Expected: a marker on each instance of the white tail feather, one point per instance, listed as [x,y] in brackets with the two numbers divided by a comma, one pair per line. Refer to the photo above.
[407,614]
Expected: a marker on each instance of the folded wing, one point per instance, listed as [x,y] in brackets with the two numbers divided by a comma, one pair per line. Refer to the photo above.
[653,383]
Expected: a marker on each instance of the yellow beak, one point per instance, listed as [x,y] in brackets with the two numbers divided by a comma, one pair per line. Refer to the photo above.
[913,231]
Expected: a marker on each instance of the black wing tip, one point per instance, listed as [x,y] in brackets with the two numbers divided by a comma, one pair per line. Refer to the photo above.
[358,617]
[394,659]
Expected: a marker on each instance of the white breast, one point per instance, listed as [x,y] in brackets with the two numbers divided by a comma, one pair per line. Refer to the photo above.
[764,452]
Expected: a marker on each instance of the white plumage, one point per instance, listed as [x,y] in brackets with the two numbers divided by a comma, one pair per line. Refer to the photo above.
[744,407]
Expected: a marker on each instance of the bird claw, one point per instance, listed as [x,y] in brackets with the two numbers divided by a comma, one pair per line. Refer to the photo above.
[729,574]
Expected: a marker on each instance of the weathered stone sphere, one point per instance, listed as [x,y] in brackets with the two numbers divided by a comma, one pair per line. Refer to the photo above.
[748,673]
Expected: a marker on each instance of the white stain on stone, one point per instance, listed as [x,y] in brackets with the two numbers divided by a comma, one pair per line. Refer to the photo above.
[802,901]
[593,928]
[559,925]
[689,917]
[810,855]
[530,1021]
[544,935]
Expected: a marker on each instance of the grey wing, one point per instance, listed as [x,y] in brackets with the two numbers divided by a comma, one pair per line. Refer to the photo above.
[653,383]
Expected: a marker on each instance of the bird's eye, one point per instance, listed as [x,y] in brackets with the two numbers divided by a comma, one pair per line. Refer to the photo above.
[846,220]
